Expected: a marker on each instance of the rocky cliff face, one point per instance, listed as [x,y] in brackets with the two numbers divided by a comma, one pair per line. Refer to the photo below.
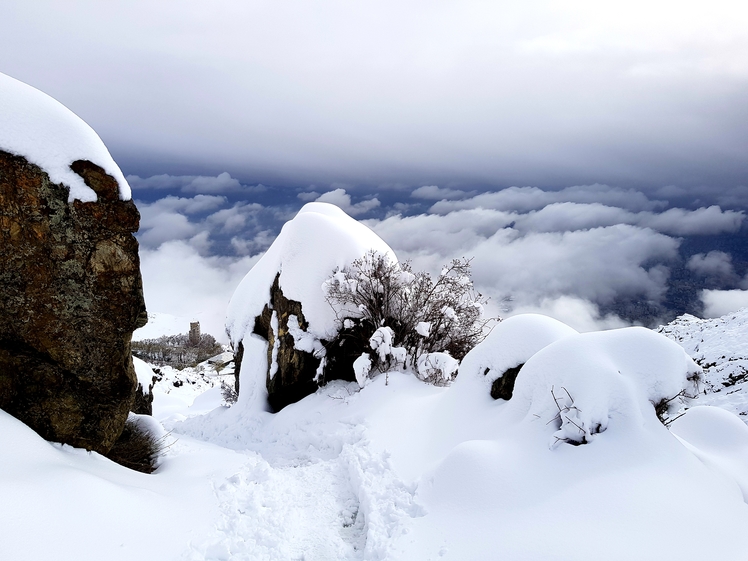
[70,298]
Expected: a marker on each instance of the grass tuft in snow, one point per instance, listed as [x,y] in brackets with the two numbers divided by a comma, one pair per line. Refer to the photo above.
[137,448]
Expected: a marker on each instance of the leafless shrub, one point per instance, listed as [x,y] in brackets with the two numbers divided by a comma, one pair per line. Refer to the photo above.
[425,314]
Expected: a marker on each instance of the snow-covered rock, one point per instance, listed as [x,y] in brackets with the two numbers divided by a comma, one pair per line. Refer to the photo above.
[720,347]
[143,404]
[584,383]
[287,281]
[495,362]
[49,135]
[71,291]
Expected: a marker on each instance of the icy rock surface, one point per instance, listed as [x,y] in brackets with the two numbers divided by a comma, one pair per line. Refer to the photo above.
[49,135]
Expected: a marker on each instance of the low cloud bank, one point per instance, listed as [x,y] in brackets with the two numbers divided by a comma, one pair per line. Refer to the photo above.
[574,254]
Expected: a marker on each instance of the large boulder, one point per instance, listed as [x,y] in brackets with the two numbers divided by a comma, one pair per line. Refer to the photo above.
[70,285]
[278,318]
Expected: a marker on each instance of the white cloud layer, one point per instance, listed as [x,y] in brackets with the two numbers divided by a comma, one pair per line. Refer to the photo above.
[341,199]
[721,302]
[222,183]
[569,259]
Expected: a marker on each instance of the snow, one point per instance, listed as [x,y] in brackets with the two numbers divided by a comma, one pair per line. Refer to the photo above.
[276,345]
[511,343]
[144,374]
[720,347]
[423,328]
[362,367]
[48,134]
[402,470]
[437,364]
[719,439]
[320,239]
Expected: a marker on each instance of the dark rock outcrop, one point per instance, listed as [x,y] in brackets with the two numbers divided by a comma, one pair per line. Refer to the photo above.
[296,371]
[143,401]
[70,298]
[503,387]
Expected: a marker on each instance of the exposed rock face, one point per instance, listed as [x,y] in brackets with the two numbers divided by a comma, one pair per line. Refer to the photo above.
[292,373]
[503,387]
[70,298]
[143,400]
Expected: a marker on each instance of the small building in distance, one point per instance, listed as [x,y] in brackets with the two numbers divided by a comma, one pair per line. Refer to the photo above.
[194,333]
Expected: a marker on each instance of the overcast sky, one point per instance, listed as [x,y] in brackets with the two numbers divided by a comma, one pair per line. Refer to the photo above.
[587,155]
[401,93]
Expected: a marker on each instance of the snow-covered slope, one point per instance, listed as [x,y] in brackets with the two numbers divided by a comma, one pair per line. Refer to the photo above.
[48,134]
[720,347]
[575,466]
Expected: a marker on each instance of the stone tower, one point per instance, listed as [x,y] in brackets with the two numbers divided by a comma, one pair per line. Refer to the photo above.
[194,333]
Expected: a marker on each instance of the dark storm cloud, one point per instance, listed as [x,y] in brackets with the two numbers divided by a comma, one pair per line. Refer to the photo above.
[464,95]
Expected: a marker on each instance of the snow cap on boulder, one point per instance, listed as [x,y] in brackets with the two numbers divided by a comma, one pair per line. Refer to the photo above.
[319,239]
[49,135]
[282,301]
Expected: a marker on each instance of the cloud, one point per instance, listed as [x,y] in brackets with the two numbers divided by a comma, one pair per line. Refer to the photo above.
[703,221]
[434,192]
[580,314]
[721,302]
[178,280]
[571,216]
[525,199]
[308,196]
[599,266]
[712,264]
[166,219]
[340,198]
[222,183]
[233,219]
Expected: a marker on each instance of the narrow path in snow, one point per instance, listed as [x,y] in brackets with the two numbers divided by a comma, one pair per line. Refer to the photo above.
[295,500]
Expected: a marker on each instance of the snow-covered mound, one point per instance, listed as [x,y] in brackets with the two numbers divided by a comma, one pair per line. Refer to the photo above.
[320,239]
[510,344]
[720,347]
[718,439]
[589,381]
[48,134]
